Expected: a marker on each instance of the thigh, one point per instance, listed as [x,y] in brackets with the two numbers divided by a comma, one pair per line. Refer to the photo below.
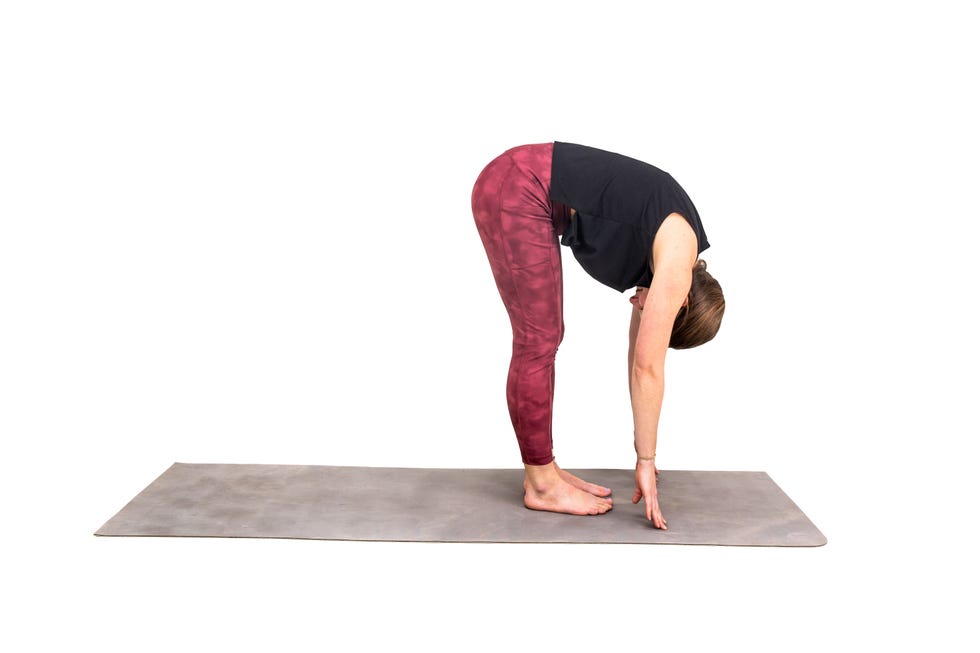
[519,235]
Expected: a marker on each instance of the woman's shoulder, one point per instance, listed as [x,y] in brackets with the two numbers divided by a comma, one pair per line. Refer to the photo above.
[675,241]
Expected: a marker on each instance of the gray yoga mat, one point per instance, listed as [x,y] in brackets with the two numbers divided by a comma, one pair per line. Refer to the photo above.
[325,502]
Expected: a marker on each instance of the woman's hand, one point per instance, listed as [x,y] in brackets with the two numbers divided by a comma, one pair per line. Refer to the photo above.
[639,297]
[646,487]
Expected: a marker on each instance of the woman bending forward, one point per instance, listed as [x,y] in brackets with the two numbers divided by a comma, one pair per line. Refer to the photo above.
[629,224]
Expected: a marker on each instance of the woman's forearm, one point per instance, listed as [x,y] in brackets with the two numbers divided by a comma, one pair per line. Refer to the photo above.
[646,395]
[634,328]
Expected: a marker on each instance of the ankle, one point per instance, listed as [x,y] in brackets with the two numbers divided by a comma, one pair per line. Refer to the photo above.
[542,478]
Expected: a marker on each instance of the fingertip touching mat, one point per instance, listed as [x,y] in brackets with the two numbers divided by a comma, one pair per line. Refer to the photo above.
[324,502]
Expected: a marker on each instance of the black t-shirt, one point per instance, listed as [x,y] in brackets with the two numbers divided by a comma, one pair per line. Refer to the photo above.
[619,203]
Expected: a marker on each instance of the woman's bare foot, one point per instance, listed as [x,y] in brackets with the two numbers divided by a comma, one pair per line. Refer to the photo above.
[545,489]
[575,481]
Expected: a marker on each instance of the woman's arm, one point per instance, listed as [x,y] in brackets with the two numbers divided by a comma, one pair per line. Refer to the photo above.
[634,328]
[674,254]
[649,352]
[637,300]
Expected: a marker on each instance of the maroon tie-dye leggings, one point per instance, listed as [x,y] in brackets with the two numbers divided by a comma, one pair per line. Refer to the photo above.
[520,228]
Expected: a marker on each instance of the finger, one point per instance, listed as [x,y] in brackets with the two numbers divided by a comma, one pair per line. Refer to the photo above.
[649,508]
[636,495]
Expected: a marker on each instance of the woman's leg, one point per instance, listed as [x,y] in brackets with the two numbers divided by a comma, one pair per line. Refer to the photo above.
[520,243]
[513,217]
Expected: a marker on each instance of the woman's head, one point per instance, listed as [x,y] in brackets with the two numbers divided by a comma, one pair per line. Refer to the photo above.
[699,319]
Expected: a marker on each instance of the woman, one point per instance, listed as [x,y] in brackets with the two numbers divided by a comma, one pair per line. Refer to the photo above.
[629,224]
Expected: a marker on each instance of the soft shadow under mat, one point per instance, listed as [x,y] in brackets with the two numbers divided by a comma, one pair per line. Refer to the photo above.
[323,502]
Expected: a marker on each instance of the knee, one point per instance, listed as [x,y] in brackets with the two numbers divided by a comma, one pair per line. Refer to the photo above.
[537,349]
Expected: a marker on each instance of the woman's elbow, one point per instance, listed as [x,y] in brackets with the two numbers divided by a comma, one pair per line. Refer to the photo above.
[648,370]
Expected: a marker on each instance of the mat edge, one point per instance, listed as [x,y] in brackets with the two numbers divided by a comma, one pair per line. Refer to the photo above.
[99,531]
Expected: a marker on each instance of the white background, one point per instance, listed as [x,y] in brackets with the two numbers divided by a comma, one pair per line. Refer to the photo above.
[240,232]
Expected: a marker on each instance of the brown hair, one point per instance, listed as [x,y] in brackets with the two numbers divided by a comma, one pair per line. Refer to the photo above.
[698,322]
